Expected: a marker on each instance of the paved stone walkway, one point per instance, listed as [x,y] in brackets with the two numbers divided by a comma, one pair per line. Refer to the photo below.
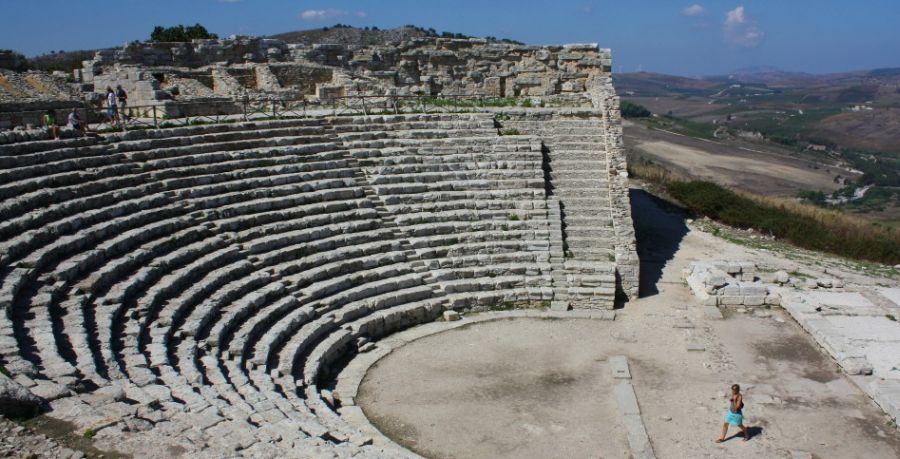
[860,330]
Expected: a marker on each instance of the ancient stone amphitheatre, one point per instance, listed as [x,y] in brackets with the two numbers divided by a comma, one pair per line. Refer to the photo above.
[421,248]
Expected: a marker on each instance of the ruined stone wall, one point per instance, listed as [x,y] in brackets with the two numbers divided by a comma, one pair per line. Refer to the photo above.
[197,53]
[429,66]
[302,78]
[475,66]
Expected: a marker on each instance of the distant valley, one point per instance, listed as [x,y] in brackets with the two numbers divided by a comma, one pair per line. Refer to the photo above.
[844,129]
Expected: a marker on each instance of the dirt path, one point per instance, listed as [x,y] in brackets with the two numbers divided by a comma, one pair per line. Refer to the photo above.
[489,390]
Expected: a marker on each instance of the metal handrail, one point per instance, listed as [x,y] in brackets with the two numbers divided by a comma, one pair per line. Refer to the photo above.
[247,109]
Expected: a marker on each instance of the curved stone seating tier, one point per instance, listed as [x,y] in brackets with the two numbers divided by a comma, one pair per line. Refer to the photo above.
[219,273]
[175,188]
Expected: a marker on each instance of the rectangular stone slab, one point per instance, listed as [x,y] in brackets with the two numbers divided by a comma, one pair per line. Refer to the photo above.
[712,312]
[841,299]
[626,399]
[892,294]
[638,440]
[618,364]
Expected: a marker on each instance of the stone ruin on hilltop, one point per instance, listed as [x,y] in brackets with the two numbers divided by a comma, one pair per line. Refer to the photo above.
[210,69]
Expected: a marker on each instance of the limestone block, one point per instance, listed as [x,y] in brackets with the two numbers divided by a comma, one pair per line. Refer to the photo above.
[16,400]
[754,300]
[753,290]
[451,316]
[626,399]
[824,283]
[731,290]
[731,300]
[782,277]
[886,393]
[856,365]
[638,440]
[715,279]
[618,364]
[528,80]
[712,312]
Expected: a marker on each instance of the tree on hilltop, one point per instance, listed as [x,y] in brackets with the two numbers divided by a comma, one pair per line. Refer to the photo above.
[181,33]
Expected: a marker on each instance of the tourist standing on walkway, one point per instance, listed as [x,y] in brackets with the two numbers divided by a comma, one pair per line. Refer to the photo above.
[123,99]
[49,120]
[112,110]
[735,414]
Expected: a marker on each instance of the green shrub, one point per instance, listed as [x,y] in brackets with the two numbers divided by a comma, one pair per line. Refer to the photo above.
[726,206]
[633,110]
[510,132]
[817,198]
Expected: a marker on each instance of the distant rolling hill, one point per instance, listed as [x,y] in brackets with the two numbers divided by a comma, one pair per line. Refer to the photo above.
[863,107]
[850,117]
[352,35]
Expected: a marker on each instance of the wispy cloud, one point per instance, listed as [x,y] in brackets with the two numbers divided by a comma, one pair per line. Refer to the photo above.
[693,10]
[317,15]
[742,30]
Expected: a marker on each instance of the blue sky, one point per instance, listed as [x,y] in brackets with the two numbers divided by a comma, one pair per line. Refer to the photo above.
[679,37]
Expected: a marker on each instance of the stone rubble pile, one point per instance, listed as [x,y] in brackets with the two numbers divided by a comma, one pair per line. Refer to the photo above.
[721,283]
[21,442]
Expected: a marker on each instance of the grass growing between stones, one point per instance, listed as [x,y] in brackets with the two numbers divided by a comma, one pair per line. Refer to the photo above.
[504,306]
[65,434]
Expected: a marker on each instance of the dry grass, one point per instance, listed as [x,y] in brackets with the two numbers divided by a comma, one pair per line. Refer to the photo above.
[9,88]
[851,225]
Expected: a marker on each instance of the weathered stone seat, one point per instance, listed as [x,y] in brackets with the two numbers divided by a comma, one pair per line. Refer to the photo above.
[218,272]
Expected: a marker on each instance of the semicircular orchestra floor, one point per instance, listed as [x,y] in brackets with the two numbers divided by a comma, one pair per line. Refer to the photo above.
[526,387]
